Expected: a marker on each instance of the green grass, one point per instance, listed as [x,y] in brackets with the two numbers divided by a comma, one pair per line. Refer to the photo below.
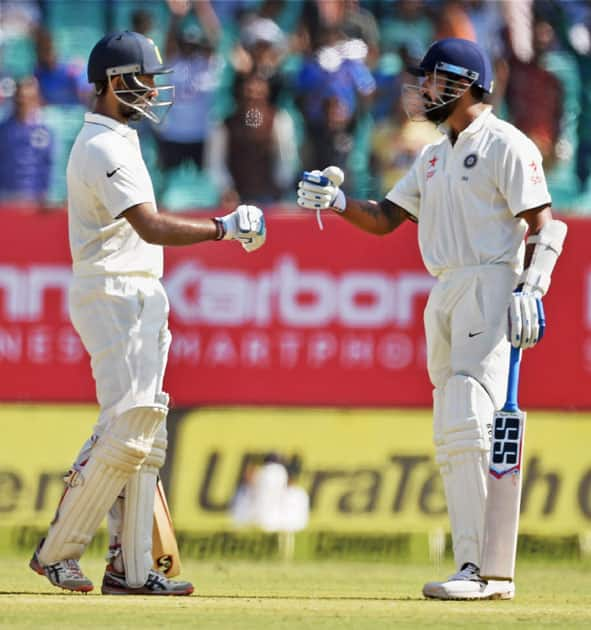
[352,595]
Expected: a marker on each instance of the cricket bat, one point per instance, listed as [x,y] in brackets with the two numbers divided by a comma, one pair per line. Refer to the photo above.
[501,521]
[165,551]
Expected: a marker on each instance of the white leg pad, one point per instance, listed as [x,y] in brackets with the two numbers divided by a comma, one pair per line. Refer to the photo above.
[463,414]
[117,455]
[138,514]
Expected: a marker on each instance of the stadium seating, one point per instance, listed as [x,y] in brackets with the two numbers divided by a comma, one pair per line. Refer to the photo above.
[64,123]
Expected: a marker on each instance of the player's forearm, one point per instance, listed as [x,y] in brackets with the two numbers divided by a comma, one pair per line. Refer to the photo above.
[164,229]
[373,217]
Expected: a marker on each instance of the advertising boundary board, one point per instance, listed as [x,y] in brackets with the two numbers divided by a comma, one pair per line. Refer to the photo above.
[366,471]
[326,318]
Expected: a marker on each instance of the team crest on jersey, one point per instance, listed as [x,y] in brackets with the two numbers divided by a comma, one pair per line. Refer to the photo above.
[470,160]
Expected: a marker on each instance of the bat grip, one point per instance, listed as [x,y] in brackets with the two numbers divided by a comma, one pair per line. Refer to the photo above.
[513,381]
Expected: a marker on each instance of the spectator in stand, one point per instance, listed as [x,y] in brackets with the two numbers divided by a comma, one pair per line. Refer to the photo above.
[397,140]
[453,21]
[60,83]
[333,139]
[142,21]
[252,155]
[488,22]
[25,148]
[534,95]
[196,76]
[406,24]
[576,20]
[359,23]
[262,50]
[333,84]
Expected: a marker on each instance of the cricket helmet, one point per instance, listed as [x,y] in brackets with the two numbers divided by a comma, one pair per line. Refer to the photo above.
[131,55]
[455,64]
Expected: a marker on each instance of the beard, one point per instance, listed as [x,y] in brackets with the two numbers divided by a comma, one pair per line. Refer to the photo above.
[129,113]
[440,114]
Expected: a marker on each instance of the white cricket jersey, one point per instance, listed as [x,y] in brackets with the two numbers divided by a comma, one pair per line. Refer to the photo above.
[106,175]
[466,196]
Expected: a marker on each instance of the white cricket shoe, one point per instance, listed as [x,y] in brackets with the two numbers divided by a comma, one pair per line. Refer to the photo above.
[467,584]
[66,574]
[157,584]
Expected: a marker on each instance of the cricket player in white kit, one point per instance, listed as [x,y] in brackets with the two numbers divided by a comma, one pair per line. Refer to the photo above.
[474,194]
[119,308]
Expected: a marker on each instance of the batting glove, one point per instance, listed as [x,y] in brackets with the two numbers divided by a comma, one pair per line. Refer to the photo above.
[527,321]
[247,225]
[319,190]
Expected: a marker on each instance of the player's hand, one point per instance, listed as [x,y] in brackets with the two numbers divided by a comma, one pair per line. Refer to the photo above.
[247,225]
[320,190]
[527,321]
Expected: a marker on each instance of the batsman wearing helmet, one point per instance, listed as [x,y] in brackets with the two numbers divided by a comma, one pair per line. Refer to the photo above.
[475,194]
[119,308]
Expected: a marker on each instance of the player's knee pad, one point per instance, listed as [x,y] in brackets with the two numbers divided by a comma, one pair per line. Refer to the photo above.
[466,416]
[128,440]
[462,453]
[157,455]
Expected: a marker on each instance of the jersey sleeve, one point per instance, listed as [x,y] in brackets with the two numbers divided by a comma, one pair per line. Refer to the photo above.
[521,178]
[406,192]
[115,180]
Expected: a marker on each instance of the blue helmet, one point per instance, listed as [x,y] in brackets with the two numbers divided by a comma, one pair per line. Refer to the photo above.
[131,55]
[116,53]
[455,64]
[460,57]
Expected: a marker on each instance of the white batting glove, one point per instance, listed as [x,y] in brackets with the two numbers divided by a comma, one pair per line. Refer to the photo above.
[319,190]
[247,225]
[527,321]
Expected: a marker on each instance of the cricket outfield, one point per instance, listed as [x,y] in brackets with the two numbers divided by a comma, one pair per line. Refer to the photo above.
[372,479]
[326,595]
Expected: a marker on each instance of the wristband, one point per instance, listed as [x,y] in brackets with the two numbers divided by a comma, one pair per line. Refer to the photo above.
[220,228]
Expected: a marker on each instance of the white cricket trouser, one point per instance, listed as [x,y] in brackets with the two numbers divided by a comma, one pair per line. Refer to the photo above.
[466,327]
[122,322]
[467,354]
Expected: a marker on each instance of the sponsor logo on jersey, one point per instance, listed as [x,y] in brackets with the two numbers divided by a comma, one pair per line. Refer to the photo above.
[431,168]
[535,177]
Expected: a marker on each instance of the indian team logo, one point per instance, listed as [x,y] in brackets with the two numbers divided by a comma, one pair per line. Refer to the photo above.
[470,160]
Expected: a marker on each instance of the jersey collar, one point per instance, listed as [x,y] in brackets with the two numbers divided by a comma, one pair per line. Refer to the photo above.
[98,119]
[473,128]
[478,123]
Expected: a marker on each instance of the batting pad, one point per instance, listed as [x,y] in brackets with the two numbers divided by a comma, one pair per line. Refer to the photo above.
[118,454]
[138,514]
[463,413]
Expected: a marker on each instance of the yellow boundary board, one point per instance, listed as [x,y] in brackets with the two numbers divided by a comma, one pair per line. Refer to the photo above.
[366,470]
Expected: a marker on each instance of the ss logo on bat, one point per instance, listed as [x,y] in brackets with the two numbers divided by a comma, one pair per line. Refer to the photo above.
[506,441]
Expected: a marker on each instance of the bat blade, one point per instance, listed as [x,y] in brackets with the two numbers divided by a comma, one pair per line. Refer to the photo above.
[501,521]
[165,551]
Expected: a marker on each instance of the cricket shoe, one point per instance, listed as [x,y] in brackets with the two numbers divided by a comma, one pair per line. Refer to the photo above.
[157,584]
[467,584]
[65,574]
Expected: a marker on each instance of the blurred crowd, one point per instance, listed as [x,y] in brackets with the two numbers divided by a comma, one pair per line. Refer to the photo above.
[267,88]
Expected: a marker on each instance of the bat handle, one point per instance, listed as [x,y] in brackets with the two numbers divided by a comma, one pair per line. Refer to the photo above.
[513,381]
